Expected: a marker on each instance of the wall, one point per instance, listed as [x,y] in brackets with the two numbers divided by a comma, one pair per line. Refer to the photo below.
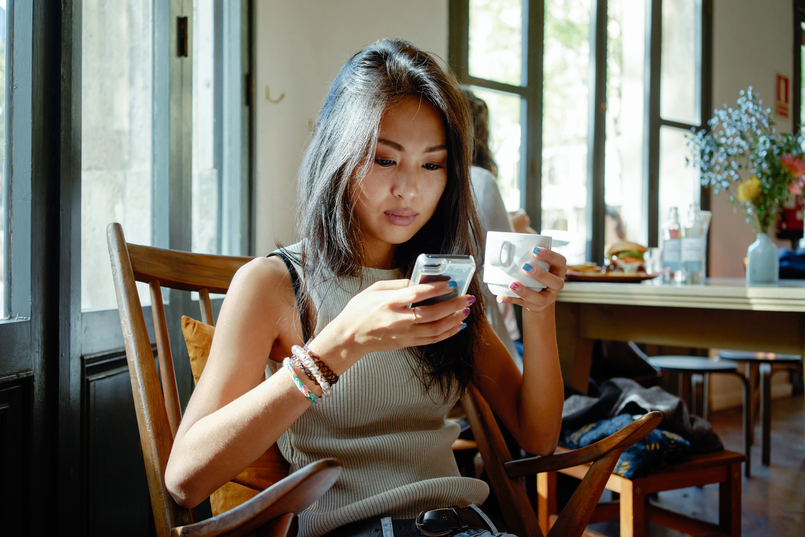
[752,43]
[299,48]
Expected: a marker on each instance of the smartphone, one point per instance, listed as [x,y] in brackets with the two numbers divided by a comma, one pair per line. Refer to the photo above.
[442,268]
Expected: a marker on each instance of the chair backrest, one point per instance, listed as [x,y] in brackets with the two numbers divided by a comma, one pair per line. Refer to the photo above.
[157,403]
[505,473]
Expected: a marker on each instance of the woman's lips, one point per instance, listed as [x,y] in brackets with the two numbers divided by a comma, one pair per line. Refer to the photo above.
[401,217]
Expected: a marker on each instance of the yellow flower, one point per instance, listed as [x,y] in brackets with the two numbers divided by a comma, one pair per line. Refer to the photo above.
[749,189]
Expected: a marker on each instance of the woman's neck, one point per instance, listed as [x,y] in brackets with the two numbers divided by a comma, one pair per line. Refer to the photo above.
[379,256]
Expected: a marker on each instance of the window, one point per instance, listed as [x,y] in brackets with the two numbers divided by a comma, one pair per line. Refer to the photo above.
[117,146]
[5,184]
[590,102]
[15,172]
[153,156]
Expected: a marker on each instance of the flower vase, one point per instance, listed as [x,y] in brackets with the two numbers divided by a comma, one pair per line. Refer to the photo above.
[763,263]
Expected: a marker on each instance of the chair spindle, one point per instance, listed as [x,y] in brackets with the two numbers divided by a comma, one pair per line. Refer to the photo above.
[206,306]
[166,373]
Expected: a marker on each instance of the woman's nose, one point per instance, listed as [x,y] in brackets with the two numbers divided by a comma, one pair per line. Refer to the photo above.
[405,183]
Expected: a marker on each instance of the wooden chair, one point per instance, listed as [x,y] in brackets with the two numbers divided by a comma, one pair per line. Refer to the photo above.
[273,510]
[505,473]
[634,510]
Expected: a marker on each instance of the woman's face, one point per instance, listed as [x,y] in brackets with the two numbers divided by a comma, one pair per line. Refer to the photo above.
[406,180]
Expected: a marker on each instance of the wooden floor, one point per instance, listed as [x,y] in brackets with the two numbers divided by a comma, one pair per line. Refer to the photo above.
[773,498]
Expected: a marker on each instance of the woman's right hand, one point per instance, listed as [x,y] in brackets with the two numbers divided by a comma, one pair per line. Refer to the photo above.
[379,319]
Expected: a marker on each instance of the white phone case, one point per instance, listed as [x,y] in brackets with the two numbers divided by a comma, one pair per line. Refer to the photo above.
[434,267]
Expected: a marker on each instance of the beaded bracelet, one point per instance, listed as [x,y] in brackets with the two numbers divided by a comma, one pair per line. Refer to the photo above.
[312,397]
[312,370]
[326,372]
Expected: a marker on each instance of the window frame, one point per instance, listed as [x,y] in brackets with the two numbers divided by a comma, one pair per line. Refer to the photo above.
[15,328]
[799,42]
[531,93]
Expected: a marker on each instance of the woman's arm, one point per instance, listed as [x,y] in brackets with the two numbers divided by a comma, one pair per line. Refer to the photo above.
[228,423]
[530,405]
[232,417]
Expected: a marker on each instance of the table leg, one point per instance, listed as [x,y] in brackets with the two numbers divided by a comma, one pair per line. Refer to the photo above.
[755,401]
[765,413]
[747,422]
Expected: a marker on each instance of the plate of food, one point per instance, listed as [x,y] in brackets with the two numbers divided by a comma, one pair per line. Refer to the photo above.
[625,265]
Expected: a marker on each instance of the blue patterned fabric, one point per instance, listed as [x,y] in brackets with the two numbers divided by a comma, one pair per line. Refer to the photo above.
[655,451]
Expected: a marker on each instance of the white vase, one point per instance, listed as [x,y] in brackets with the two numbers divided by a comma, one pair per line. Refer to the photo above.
[763,263]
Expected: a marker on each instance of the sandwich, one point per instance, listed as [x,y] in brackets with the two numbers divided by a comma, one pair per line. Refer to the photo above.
[626,257]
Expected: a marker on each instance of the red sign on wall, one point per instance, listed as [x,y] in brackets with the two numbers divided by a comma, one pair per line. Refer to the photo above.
[782,96]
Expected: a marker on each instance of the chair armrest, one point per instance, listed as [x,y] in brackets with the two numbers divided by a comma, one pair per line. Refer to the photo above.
[635,431]
[290,495]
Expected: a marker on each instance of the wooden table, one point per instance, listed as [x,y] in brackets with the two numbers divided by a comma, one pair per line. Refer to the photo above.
[721,313]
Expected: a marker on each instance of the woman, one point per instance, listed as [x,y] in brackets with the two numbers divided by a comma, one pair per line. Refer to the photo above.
[385,178]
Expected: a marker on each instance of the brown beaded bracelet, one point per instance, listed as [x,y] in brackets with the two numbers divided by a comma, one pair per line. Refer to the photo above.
[298,363]
[325,370]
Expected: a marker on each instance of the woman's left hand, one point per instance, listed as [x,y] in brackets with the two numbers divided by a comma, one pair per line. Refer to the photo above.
[553,279]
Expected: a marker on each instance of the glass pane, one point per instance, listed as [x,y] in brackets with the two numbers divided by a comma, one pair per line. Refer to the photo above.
[680,55]
[623,185]
[504,141]
[679,183]
[565,120]
[206,215]
[116,132]
[3,179]
[496,40]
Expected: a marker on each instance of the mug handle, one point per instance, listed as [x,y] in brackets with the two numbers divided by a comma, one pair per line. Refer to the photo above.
[505,255]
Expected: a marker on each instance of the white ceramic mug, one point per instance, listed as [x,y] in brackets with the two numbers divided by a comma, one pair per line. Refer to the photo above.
[505,255]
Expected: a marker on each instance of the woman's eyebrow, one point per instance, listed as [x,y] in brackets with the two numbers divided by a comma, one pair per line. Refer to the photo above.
[398,147]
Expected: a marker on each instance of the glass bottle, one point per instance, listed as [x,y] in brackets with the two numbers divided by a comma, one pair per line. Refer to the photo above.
[693,246]
[672,246]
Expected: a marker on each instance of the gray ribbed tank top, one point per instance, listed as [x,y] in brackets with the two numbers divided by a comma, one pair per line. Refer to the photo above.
[389,434]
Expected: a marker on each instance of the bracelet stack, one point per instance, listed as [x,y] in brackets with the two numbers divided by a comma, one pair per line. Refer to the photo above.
[315,369]
[312,397]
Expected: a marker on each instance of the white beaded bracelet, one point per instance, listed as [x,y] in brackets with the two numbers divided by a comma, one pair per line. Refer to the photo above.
[308,363]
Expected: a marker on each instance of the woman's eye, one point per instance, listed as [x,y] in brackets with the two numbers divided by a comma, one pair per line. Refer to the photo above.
[432,167]
[384,162]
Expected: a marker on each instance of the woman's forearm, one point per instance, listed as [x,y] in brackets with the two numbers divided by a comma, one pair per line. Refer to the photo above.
[542,393]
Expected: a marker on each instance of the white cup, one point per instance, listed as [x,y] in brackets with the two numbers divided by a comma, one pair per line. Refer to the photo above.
[505,255]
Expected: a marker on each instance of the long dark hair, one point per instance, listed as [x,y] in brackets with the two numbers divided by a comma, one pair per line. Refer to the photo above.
[337,159]
[481,154]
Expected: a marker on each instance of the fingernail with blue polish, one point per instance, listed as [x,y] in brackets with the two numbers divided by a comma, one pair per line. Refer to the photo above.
[451,284]
[463,326]
[537,250]
[527,267]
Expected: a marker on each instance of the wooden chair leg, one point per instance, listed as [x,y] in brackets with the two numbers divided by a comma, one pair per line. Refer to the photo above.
[729,502]
[765,413]
[546,502]
[634,520]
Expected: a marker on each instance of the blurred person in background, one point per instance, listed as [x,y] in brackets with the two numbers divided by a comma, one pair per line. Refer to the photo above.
[494,217]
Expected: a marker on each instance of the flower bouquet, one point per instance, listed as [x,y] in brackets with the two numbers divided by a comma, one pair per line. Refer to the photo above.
[742,154]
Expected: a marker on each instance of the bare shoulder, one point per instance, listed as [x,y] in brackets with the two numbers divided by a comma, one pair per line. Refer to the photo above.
[262,269]
[259,297]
